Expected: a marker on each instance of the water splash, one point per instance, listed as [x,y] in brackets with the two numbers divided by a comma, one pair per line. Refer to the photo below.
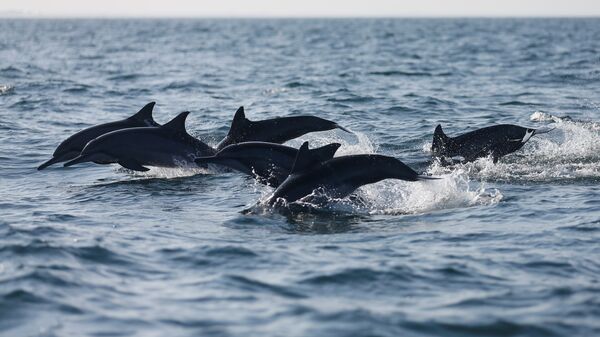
[452,190]
[393,197]
[355,143]
[539,116]
[570,152]
[170,172]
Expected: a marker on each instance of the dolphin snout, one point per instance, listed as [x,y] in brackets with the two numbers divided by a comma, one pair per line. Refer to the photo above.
[48,163]
[79,159]
[343,128]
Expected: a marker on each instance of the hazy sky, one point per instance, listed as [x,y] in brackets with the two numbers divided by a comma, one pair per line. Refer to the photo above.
[300,8]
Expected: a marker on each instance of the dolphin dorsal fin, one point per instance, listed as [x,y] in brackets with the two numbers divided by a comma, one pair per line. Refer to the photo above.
[145,114]
[326,152]
[439,132]
[239,122]
[177,124]
[305,159]
[440,140]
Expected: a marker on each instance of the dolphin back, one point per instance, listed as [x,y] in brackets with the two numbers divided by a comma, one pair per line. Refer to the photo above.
[275,130]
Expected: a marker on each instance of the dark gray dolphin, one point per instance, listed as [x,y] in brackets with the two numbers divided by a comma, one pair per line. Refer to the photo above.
[277,130]
[497,141]
[340,176]
[168,145]
[268,163]
[72,146]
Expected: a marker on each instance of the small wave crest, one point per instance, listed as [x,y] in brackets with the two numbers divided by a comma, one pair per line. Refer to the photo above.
[6,89]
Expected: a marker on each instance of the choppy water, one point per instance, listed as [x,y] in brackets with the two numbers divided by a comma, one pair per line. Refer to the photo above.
[489,250]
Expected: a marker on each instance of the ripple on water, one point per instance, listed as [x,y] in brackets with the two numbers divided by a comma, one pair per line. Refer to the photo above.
[253,285]
[486,250]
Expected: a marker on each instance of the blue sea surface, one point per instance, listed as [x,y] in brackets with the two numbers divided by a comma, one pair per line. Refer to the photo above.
[511,249]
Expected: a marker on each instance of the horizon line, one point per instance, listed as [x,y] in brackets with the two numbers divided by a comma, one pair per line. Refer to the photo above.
[10,15]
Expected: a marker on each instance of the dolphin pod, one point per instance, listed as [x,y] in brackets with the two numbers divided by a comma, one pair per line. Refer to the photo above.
[275,130]
[255,148]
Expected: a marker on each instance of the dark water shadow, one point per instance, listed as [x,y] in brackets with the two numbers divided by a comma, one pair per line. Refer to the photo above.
[299,218]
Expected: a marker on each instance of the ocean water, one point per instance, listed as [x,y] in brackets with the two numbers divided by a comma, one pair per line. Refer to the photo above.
[511,249]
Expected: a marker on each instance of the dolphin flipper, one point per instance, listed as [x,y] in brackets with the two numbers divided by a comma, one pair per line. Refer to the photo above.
[132,165]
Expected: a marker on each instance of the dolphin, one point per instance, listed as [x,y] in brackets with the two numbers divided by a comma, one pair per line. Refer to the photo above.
[497,141]
[339,176]
[276,130]
[168,145]
[72,146]
[268,163]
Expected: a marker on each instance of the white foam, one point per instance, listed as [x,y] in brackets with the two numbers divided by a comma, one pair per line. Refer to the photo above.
[169,172]
[539,116]
[451,191]
[5,88]
[570,151]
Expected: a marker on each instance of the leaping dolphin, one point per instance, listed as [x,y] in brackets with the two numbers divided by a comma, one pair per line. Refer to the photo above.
[268,163]
[497,141]
[277,130]
[340,176]
[168,145]
[72,146]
